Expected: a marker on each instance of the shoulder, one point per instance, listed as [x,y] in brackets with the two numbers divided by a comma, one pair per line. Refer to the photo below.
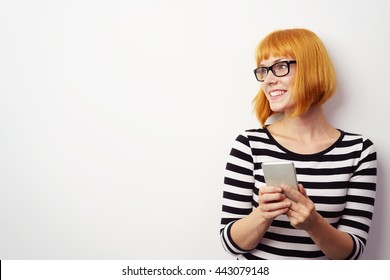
[256,132]
[252,135]
[254,139]
[355,136]
[352,138]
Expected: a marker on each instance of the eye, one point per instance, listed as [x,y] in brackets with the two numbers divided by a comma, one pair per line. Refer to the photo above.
[263,71]
[281,66]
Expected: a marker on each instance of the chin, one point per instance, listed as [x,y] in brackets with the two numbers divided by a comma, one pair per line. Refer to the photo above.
[280,109]
[277,109]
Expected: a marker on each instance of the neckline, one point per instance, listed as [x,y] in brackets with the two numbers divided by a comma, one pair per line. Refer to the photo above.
[326,150]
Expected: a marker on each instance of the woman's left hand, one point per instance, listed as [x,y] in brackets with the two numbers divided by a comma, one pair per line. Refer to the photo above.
[302,213]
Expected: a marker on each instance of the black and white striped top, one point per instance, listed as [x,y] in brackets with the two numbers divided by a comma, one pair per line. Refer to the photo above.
[341,181]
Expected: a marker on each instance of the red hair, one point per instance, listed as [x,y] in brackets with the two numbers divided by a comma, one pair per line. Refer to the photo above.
[315,78]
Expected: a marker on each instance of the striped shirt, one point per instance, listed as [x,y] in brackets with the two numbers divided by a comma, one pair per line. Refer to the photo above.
[341,182]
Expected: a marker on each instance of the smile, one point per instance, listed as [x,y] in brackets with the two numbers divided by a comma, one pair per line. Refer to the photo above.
[277,93]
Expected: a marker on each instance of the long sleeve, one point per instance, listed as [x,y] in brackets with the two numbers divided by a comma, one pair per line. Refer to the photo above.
[238,190]
[359,208]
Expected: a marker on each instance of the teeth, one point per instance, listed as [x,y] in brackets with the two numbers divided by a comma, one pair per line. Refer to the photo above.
[276,93]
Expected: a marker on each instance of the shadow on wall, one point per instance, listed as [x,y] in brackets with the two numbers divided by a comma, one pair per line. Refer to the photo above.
[333,106]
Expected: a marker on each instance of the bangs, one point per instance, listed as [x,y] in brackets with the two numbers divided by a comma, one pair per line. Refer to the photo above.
[276,44]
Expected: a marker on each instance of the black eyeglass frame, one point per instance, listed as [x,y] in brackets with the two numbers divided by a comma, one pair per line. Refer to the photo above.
[271,68]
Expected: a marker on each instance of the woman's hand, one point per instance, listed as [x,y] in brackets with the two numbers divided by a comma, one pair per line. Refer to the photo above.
[302,212]
[303,215]
[272,202]
[248,231]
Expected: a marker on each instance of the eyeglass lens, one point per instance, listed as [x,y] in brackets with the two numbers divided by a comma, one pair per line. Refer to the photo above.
[279,69]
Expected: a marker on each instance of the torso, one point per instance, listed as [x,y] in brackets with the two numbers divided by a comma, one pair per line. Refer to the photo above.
[327,177]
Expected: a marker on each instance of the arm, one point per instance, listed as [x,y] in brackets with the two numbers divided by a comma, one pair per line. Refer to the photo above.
[302,215]
[237,192]
[359,208]
[248,231]
[349,238]
[334,243]
[242,228]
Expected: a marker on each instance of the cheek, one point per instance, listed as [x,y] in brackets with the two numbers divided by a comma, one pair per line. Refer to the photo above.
[291,82]
[262,87]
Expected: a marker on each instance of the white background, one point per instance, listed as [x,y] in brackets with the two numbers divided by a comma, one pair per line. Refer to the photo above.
[116,117]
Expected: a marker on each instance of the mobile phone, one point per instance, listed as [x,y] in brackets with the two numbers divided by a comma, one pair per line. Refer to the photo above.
[277,173]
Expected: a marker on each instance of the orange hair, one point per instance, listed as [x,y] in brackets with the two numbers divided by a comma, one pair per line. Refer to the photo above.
[315,78]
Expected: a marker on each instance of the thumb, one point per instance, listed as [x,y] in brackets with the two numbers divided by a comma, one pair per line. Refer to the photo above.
[302,190]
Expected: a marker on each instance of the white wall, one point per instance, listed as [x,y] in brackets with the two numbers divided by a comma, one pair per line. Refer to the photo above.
[116,117]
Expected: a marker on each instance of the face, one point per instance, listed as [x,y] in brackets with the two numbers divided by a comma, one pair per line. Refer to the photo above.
[278,90]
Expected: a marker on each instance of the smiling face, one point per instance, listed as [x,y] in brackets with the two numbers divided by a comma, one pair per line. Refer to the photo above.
[279,90]
[311,82]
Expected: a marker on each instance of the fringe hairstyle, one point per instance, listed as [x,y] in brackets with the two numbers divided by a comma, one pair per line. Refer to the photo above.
[315,78]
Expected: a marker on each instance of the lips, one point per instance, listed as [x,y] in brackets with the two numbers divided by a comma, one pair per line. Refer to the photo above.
[276,93]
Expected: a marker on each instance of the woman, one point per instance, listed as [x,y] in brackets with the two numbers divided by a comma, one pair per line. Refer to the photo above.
[329,216]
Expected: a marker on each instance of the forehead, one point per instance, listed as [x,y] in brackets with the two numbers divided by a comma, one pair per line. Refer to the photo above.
[268,54]
[272,60]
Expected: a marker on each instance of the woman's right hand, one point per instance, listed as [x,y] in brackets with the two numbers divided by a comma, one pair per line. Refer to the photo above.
[272,202]
[248,231]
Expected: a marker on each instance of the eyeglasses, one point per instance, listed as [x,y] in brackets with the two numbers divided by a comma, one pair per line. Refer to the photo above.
[279,69]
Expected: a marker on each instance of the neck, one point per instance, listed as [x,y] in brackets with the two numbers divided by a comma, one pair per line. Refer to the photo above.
[310,125]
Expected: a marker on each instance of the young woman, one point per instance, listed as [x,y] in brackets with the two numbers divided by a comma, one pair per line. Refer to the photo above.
[329,216]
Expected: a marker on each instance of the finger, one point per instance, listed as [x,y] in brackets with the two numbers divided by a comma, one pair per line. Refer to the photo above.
[273,210]
[274,214]
[302,190]
[271,197]
[295,207]
[272,206]
[292,193]
[270,189]
[293,216]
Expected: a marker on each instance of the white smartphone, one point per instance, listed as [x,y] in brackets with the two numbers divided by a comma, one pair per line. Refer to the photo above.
[277,173]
